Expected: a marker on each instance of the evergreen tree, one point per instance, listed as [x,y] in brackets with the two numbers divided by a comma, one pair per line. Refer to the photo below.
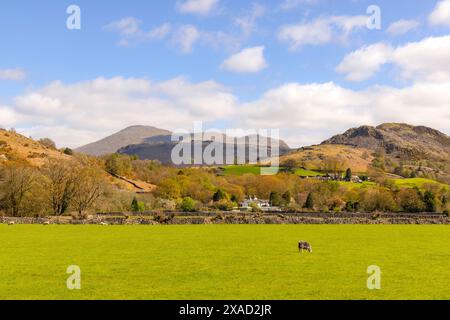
[220,195]
[309,204]
[287,197]
[275,199]
[429,199]
[348,175]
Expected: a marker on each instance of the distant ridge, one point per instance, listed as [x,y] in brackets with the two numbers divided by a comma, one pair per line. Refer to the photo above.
[128,136]
[150,143]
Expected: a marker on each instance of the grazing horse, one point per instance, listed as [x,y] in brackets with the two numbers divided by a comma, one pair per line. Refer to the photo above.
[303,245]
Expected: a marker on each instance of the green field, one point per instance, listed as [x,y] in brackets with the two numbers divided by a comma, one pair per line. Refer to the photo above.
[241,170]
[364,184]
[416,182]
[308,173]
[224,262]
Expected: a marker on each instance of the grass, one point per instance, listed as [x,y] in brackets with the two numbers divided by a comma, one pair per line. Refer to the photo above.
[308,173]
[364,184]
[240,170]
[415,182]
[224,262]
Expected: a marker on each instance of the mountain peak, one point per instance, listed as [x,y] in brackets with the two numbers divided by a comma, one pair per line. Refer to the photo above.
[398,139]
[129,136]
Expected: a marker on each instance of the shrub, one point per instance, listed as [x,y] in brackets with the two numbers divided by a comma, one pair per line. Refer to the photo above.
[68,151]
[48,143]
[137,206]
[220,195]
[188,204]
[224,205]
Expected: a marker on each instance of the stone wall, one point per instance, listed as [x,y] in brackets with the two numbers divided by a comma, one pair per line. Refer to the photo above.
[240,219]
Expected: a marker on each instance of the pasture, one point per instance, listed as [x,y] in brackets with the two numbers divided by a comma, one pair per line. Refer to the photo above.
[224,262]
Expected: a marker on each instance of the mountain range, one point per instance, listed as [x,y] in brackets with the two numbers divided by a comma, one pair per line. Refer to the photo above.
[151,143]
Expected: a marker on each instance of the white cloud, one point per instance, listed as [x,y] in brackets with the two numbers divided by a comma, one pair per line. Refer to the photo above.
[401,27]
[440,14]
[292,4]
[201,7]
[185,38]
[363,63]
[321,31]
[131,33]
[247,23]
[74,114]
[428,59]
[311,113]
[247,60]
[12,74]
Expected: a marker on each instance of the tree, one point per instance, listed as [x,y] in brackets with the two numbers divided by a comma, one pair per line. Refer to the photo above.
[88,188]
[68,151]
[16,183]
[275,199]
[119,164]
[287,197]
[410,200]
[309,204]
[59,185]
[290,164]
[429,199]
[334,166]
[188,204]
[220,195]
[137,206]
[348,175]
[48,143]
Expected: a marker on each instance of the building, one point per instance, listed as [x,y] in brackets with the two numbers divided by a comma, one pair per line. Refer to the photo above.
[252,202]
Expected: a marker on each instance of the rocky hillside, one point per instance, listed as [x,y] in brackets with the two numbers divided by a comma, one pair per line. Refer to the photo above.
[400,140]
[129,136]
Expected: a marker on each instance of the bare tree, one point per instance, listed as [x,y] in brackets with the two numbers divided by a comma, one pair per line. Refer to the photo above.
[16,182]
[335,166]
[60,184]
[88,188]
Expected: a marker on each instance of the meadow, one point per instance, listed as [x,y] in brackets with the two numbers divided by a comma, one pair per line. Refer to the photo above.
[224,262]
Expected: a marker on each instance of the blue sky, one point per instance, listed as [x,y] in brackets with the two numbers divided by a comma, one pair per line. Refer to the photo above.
[229,63]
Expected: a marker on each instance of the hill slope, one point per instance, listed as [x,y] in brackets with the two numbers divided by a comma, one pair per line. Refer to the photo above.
[128,136]
[399,140]
[397,148]
[359,159]
[15,147]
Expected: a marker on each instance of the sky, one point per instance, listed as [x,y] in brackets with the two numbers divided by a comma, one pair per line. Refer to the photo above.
[77,71]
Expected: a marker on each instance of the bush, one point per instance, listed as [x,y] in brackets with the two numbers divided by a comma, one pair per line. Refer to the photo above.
[225,205]
[137,206]
[68,151]
[188,205]
[48,143]
[220,195]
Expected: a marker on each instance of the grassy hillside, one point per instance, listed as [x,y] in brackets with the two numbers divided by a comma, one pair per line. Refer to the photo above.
[359,159]
[224,262]
[18,148]
[417,182]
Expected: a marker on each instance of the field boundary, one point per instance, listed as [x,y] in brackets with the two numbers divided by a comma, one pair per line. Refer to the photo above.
[368,219]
